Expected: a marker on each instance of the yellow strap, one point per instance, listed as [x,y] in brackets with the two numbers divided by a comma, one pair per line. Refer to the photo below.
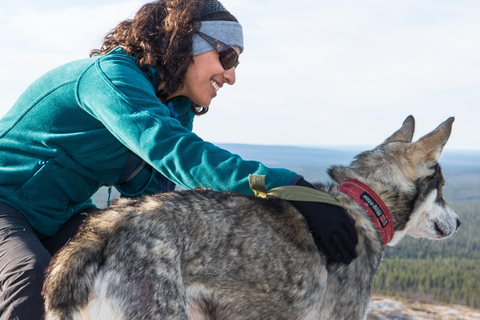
[257,184]
[291,193]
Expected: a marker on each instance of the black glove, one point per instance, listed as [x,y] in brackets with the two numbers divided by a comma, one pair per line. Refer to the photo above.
[332,228]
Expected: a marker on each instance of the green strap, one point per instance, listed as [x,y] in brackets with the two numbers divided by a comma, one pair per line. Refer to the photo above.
[291,193]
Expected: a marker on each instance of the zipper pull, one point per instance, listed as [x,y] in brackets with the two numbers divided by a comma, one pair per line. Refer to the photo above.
[109,195]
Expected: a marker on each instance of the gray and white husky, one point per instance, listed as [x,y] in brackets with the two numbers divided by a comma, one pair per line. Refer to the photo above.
[203,254]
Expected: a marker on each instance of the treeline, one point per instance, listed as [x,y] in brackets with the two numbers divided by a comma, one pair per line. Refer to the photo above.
[445,271]
[447,280]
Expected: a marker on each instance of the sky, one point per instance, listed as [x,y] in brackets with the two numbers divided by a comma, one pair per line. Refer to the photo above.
[313,73]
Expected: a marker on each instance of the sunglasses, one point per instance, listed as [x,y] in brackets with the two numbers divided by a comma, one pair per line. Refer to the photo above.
[228,56]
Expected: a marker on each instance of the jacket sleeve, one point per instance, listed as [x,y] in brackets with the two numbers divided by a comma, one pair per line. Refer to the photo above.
[116,92]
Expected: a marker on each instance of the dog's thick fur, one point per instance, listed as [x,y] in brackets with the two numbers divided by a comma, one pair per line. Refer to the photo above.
[215,255]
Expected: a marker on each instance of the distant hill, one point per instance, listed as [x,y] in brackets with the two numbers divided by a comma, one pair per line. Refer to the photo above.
[312,162]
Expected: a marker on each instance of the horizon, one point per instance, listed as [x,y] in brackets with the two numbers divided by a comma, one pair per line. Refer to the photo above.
[357,148]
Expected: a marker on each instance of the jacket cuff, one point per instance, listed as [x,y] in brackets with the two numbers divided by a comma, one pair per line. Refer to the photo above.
[295,180]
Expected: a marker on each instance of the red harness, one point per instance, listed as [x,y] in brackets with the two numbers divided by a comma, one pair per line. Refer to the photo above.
[372,204]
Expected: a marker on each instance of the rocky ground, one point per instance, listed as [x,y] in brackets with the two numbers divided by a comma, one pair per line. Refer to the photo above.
[383,308]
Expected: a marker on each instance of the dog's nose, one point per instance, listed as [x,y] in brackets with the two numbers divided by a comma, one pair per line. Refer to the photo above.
[459,223]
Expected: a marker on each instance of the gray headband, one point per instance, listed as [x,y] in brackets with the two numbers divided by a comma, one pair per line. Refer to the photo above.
[229,32]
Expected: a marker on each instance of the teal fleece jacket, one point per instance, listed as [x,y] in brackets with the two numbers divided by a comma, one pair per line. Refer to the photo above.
[73,130]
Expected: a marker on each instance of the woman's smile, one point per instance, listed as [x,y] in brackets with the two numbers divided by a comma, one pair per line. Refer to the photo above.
[215,85]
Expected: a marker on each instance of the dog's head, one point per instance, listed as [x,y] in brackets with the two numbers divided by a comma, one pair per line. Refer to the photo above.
[407,177]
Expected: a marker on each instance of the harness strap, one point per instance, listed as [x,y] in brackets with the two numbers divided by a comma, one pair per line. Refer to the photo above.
[290,193]
[361,193]
[373,205]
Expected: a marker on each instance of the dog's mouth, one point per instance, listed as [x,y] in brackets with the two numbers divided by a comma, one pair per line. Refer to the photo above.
[439,231]
[445,230]
[436,230]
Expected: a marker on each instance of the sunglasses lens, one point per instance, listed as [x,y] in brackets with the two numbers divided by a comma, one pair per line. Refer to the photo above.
[229,58]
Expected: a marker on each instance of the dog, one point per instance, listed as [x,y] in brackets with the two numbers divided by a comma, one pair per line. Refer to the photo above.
[201,254]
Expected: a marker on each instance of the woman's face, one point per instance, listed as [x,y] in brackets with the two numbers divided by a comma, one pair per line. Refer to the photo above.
[204,77]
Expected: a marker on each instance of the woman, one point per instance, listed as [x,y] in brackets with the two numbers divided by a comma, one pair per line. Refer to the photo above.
[124,117]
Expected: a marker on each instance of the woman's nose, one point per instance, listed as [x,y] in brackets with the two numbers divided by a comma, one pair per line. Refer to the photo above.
[229,76]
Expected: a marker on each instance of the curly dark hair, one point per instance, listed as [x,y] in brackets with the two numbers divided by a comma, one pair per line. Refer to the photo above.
[160,36]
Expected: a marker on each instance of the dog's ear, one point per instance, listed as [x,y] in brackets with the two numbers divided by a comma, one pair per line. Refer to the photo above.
[340,173]
[405,133]
[428,149]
